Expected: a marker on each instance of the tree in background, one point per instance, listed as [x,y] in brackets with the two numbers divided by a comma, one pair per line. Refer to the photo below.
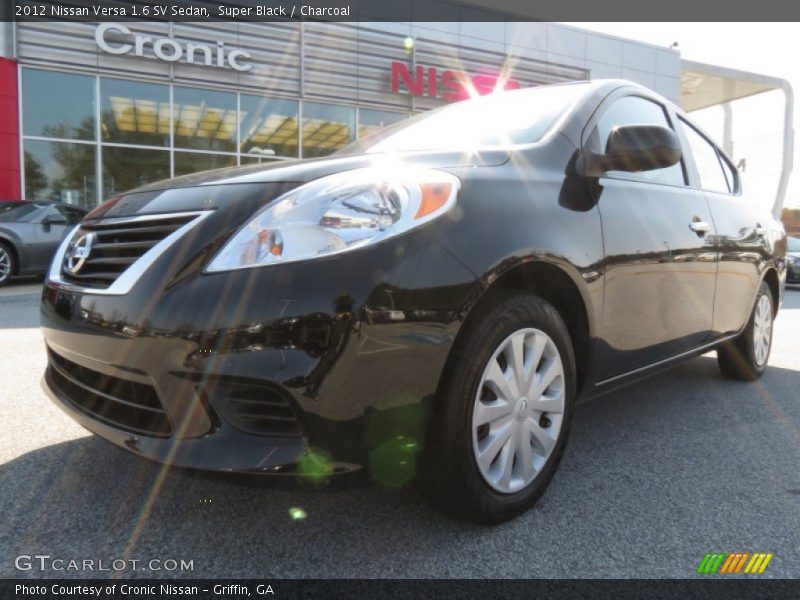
[35,179]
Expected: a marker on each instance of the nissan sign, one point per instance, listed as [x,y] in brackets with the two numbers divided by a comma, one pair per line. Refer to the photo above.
[447,84]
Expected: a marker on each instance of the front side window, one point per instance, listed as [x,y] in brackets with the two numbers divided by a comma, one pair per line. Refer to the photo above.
[73,216]
[706,159]
[635,110]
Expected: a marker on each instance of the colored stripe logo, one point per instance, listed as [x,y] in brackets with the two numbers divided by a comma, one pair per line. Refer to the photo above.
[738,562]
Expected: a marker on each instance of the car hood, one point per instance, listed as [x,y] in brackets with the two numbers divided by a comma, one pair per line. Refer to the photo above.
[223,187]
[301,171]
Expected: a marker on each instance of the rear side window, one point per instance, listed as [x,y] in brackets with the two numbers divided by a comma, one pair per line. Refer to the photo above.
[713,177]
[635,110]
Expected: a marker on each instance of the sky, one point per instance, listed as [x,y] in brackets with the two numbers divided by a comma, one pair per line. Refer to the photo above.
[765,48]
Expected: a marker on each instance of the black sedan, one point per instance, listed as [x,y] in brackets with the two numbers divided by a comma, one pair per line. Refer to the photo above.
[429,304]
[30,233]
[793,261]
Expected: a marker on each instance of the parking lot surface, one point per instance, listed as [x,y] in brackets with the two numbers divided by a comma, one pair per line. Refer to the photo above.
[655,476]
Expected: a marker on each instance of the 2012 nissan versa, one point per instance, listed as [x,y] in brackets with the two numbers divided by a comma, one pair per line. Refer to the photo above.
[429,303]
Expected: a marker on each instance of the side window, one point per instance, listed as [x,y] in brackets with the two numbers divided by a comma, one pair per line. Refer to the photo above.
[707,160]
[635,110]
[73,216]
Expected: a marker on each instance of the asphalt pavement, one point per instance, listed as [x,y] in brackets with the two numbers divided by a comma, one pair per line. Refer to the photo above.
[655,476]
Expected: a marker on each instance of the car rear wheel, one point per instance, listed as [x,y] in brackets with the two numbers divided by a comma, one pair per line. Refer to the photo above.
[502,413]
[746,356]
[6,264]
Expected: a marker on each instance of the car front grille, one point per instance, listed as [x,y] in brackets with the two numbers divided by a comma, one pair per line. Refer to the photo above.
[121,403]
[116,245]
[256,409]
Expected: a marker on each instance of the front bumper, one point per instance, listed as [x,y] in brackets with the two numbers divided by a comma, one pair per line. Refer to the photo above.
[338,358]
[226,449]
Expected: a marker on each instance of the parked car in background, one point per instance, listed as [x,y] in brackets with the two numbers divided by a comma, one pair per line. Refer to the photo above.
[30,233]
[793,261]
[430,303]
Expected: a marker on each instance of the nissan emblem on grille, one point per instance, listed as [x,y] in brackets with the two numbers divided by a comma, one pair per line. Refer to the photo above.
[78,252]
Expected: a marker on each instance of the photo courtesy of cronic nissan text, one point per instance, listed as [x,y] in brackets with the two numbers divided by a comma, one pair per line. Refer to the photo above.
[311,299]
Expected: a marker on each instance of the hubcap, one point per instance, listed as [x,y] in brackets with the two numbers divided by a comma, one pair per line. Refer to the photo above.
[762,330]
[518,410]
[5,264]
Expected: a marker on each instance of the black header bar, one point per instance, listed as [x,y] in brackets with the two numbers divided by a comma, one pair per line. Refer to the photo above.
[288,589]
[398,10]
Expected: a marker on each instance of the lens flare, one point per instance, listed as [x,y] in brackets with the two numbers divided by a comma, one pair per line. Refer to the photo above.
[315,465]
[297,514]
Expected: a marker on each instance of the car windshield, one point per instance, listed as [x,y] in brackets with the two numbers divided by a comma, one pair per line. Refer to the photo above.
[501,119]
[23,213]
[794,244]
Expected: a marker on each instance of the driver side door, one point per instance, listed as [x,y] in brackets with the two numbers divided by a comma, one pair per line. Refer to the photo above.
[659,255]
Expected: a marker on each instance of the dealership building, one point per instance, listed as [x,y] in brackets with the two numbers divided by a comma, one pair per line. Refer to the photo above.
[92,109]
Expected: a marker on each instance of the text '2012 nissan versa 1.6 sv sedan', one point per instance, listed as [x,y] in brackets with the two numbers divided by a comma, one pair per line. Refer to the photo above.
[428,304]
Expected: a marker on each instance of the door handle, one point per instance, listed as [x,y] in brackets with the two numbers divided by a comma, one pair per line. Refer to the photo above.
[700,227]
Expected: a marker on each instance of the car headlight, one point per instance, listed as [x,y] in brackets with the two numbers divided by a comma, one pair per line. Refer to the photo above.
[339,213]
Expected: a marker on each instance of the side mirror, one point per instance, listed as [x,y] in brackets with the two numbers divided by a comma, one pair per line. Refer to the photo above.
[634,148]
[55,219]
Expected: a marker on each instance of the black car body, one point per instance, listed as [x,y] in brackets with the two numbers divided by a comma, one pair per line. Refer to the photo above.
[30,233]
[332,364]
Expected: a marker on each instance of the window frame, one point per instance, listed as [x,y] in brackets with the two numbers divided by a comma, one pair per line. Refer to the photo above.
[669,116]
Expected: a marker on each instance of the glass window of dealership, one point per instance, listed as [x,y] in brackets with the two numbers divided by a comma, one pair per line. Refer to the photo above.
[103,135]
[101,113]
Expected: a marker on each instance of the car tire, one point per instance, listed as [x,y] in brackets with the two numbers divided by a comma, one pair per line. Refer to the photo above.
[745,357]
[7,264]
[457,470]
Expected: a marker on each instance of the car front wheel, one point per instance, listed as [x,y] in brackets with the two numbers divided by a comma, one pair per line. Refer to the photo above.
[6,264]
[502,412]
[746,356]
